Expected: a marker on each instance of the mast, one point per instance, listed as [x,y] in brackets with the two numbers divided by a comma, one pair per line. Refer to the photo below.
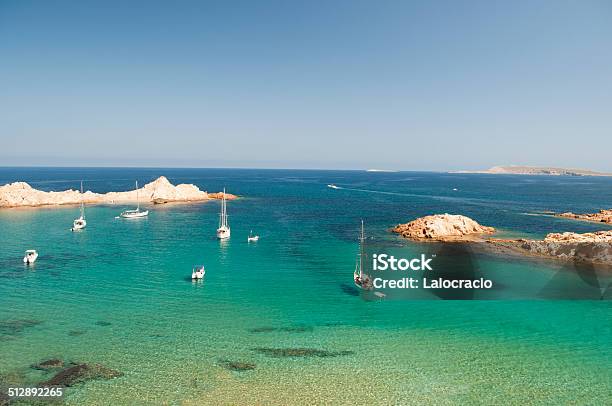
[82,206]
[361,240]
[137,199]
[223,210]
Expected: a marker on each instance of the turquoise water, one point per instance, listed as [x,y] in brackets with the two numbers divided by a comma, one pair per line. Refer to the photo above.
[293,289]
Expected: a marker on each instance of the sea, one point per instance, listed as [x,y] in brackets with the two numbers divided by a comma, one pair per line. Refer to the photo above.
[279,321]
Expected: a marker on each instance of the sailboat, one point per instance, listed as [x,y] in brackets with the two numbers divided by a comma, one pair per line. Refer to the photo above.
[252,237]
[135,213]
[223,231]
[80,223]
[362,280]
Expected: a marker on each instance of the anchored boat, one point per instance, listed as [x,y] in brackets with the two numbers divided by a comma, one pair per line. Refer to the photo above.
[30,257]
[252,238]
[198,272]
[223,231]
[80,223]
[135,213]
[362,280]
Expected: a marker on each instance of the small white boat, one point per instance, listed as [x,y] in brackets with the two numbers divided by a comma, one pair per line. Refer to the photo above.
[135,213]
[361,279]
[223,231]
[455,189]
[80,223]
[331,185]
[198,272]
[252,238]
[30,257]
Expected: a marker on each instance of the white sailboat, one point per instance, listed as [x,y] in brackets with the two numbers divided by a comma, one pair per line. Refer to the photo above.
[80,223]
[362,280]
[223,231]
[135,213]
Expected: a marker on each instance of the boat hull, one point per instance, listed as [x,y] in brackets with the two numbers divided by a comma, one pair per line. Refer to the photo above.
[30,259]
[223,233]
[79,224]
[135,215]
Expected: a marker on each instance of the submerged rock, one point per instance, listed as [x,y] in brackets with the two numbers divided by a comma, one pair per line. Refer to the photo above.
[442,227]
[76,333]
[103,323]
[11,329]
[237,366]
[262,329]
[299,352]
[289,329]
[53,363]
[81,373]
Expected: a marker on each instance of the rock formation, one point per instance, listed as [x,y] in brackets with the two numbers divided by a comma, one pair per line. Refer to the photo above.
[442,227]
[603,216]
[587,247]
[159,191]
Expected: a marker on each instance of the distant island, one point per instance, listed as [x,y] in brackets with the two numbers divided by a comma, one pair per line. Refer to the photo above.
[20,194]
[537,170]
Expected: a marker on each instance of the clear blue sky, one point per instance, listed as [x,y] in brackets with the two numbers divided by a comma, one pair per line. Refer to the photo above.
[431,85]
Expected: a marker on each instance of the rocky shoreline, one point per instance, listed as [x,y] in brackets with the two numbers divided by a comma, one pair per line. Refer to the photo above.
[21,194]
[588,247]
[603,216]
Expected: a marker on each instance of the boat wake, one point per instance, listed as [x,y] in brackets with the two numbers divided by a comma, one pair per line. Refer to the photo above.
[536,214]
[463,200]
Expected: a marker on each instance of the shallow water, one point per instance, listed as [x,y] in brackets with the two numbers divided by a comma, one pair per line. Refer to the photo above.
[119,293]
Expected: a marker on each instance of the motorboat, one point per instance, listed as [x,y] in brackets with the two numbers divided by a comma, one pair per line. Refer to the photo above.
[361,279]
[252,238]
[198,272]
[135,213]
[30,257]
[80,223]
[223,232]
[331,185]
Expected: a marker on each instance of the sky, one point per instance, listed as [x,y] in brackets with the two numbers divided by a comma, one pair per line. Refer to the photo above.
[407,85]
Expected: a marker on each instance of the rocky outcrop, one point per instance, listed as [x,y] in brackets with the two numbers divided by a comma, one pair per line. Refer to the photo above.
[159,191]
[588,247]
[219,195]
[603,216]
[81,373]
[443,227]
